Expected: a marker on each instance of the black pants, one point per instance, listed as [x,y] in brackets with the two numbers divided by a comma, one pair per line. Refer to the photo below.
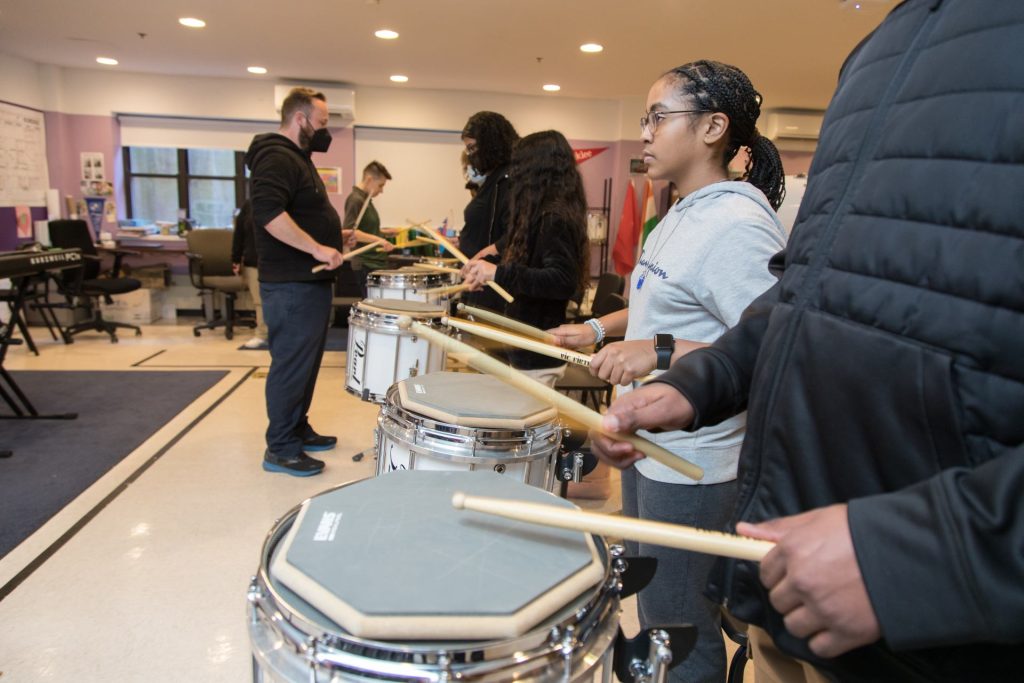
[297,315]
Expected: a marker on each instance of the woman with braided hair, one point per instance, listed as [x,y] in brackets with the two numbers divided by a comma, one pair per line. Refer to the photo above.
[698,270]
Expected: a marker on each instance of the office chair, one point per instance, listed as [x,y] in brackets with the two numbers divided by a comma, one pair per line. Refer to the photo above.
[607,284]
[82,287]
[209,269]
[578,378]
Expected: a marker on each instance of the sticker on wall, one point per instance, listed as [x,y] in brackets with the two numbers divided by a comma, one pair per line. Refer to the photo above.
[331,178]
[93,167]
[24,217]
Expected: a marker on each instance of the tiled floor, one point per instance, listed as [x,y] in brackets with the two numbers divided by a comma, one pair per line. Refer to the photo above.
[153,587]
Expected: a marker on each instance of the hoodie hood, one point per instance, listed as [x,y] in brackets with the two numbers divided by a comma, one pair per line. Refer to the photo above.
[265,142]
[739,187]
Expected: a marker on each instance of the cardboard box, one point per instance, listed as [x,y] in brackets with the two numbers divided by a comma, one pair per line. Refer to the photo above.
[153,276]
[140,307]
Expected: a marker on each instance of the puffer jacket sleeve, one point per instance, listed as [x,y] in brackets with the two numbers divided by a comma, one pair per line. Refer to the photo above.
[943,560]
[716,379]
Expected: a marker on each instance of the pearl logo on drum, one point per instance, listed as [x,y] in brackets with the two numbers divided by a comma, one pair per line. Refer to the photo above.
[327,529]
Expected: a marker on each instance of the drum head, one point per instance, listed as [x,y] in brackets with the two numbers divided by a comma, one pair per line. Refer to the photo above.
[471,400]
[389,558]
[415,309]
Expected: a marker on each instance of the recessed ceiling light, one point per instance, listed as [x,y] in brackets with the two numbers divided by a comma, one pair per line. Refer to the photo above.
[591,47]
[109,61]
[192,22]
[386,34]
[257,69]
[551,87]
[399,78]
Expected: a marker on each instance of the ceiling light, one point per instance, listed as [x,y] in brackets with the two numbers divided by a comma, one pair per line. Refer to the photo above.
[257,69]
[192,22]
[399,78]
[386,34]
[551,87]
[591,47]
[109,61]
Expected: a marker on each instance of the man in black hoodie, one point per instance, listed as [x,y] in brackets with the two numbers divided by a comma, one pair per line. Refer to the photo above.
[297,228]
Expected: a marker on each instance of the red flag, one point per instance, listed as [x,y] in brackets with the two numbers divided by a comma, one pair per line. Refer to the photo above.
[624,253]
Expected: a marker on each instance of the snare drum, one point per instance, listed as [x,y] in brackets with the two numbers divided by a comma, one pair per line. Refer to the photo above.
[382,580]
[441,261]
[407,284]
[380,352]
[465,421]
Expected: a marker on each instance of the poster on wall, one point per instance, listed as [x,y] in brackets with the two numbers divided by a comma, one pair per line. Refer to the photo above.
[93,166]
[24,177]
[331,178]
[24,217]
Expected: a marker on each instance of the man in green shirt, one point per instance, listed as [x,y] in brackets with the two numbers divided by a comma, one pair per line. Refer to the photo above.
[367,228]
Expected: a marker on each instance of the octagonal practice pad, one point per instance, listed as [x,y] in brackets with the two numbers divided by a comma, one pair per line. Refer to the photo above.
[470,400]
[389,558]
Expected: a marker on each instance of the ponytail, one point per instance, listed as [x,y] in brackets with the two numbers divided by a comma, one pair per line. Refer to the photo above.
[764,170]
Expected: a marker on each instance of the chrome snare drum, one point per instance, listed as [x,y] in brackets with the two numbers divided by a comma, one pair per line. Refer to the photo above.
[465,421]
[368,582]
[381,353]
[407,283]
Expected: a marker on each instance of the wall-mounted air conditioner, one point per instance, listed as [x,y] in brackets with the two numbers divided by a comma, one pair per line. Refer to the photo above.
[792,124]
[341,103]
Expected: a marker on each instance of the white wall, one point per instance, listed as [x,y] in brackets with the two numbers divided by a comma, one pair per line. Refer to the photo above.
[20,80]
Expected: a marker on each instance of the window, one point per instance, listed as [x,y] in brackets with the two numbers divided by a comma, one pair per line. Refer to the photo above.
[207,183]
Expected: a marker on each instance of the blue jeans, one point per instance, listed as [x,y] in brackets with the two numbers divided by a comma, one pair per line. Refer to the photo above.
[676,594]
[297,315]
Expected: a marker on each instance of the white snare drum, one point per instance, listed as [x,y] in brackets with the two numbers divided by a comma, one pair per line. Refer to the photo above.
[407,284]
[465,421]
[369,582]
[381,353]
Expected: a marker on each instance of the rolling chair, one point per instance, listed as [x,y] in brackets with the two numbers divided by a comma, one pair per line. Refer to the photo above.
[607,284]
[82,287]
[209,269]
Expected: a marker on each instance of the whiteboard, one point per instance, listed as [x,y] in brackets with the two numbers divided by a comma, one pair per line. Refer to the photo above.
[24,177]
[426,174]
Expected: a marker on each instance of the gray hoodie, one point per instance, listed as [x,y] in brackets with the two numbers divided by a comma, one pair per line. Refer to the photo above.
[701,266]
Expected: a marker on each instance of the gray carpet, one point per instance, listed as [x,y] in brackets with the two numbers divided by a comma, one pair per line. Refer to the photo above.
[55,460]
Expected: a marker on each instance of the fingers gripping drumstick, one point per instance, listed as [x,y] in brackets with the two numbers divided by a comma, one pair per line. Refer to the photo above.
[644,531]
[443,241]
[561,402]
[347,255]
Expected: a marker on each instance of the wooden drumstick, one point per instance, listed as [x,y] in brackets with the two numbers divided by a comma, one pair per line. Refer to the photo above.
[494,334]
[641,530]
[565,405]
[362,210]
[443,241]
[509,323]
[439,269]
[349,254]
[448,289]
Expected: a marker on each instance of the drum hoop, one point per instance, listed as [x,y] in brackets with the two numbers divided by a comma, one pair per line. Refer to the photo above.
[362,317]
[586,613]
[440,446]
[410,279]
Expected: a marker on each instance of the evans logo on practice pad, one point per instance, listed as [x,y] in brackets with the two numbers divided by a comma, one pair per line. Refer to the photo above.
[327,529]
[419,388]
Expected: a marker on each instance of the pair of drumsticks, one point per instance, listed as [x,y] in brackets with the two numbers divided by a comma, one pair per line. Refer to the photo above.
[671,535]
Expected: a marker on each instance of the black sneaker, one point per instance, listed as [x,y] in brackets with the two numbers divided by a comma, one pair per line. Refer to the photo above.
[301,466]
[316,442]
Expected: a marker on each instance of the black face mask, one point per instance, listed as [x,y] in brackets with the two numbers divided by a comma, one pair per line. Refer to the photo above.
[319,140]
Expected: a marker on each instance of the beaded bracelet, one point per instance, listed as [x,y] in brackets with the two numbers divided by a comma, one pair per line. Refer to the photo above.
[595,324]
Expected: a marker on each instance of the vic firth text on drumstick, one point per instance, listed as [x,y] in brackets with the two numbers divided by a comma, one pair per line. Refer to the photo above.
[644,531]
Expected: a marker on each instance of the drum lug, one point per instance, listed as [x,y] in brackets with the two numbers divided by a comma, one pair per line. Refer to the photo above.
[444,666]
[255,596]
[653,653]
[635,573]
[568,645]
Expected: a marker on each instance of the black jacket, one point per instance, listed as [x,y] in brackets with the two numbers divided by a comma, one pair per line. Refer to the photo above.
[486,220]
[243,239]
[885,369]
[543,287]
[283,178]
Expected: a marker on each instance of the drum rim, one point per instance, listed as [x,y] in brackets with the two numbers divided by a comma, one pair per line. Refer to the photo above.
[422,277]
[362,317]
[594,607]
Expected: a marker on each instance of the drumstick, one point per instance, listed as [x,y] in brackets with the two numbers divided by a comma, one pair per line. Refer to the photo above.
[642,530]
[362,210]
[349,254]
[509,323]
[440,269]
[448,289]
[443,241]
[494,334]
[564,404]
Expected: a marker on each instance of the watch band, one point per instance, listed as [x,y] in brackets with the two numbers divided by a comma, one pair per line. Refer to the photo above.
[664,346]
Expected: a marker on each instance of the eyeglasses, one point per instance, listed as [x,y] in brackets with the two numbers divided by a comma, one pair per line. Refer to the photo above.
[651,119]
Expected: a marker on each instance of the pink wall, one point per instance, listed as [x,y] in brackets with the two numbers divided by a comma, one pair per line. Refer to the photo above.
[341,154]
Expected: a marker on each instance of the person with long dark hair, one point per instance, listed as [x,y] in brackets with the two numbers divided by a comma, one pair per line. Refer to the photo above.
[488,138]
[544,256]
[698,270]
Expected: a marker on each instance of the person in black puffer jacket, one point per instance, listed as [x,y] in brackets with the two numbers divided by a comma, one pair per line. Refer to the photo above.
[544,261]
[883,374]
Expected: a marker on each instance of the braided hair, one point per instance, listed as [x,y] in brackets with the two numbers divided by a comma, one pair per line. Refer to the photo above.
[717,87]
[494,136]
[545,181]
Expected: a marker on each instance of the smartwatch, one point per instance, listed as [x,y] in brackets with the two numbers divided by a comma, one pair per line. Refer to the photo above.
[664,346]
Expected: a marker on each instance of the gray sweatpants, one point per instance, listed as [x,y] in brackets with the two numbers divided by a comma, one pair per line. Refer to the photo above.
[676,595]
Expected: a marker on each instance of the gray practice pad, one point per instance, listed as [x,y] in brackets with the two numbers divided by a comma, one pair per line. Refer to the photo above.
[472,400]
[389,558]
